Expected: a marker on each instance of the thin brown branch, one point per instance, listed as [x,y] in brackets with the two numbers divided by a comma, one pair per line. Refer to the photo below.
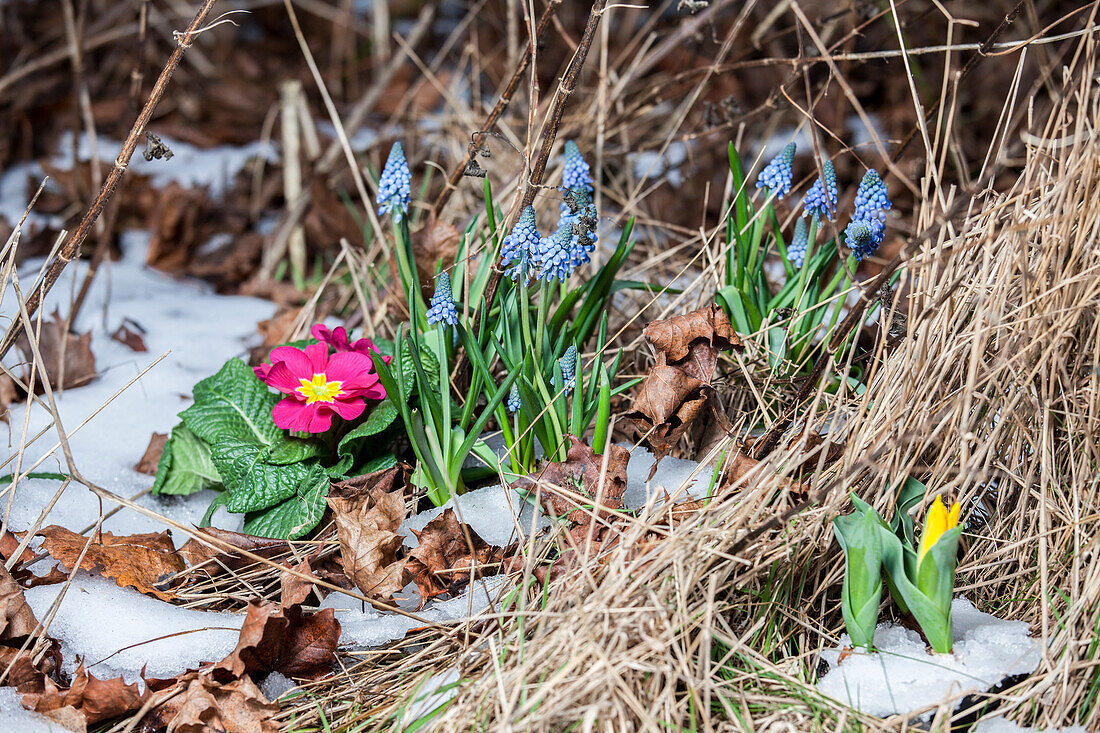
[71,249]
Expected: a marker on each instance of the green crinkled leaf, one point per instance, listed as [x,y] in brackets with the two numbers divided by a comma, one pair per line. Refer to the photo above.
[185,465]
[233,405]
[353,444]
[292,450]
[296,515]
[254,483]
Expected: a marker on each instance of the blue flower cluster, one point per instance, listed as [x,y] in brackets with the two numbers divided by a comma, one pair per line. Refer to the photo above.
[569,368]
[865,232]
[524,253]
[513,403]
[861,238]
[796,250]
[395,184]
[776,176]
[520,250]
[820,201]
[577,174]
[442,307]
[555,253]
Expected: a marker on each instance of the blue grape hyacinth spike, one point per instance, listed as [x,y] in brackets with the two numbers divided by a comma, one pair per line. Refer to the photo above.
[871,199]
[513,403]
[519,250]
[863,237]
[576,174]
[776,176]
[555,258]
[796,250]
[395,184]
[820,201]
[442,307]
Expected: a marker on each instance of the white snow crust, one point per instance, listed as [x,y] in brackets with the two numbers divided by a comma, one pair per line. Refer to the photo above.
[112,629]
[903,677]
[14,717]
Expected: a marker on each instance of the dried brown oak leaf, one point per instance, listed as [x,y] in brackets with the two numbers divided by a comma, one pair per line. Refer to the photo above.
[578,482]
[16,617]
[206,706]
[95,699]
[449,551]
[368,511]
[215,561]
[293,589]
[140,561]
[131,338]
[285,640]
[68,357]
[9,393]
[676,390]
[151,458]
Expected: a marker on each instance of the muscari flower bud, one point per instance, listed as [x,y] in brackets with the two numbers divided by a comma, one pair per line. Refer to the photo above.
[796,250]
[555,256]
[394,185]
[776,176]
[442,306]
[820,201]
[569,368]
[871,199]
[513,399]
[576,174]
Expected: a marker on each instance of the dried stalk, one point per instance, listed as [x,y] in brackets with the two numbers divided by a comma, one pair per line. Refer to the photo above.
[71,249]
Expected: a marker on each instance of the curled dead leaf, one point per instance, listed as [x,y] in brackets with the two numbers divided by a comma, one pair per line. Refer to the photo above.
[449,551]
[285,640]
[16,617]
[204,705]
[95,699]
[67,357]
[570,487]
[140,561]
[151,457]
[214,561]
[130,335]
[368,511]
[676,390]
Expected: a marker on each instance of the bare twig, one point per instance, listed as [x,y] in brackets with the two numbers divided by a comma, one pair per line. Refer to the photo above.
[71,249]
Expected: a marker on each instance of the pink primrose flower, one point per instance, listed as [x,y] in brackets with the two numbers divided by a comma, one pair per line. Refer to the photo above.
[318,385]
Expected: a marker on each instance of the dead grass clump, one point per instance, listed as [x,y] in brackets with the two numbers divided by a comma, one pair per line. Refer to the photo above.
[994,394]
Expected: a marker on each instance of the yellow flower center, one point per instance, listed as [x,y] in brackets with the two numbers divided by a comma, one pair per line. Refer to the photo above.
[319,389]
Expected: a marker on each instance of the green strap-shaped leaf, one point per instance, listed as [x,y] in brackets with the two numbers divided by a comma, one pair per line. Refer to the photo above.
[296,515]
[185,465]
[233,405]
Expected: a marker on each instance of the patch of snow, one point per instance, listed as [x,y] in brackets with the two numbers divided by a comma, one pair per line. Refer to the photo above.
[672,475]
[359,140]
[493,512]
[200,329]
[362,625]
[428,696]
[14,717]
[189,166]
[653,165]
[275,685]
[902,676]
[1003,725]
[118,631]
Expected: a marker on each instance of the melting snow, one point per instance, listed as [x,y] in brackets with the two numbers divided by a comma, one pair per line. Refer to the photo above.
[14,717]
[118,631]
[902,676]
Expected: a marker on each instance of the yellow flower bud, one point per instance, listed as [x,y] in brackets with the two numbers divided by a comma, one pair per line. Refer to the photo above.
[938,521]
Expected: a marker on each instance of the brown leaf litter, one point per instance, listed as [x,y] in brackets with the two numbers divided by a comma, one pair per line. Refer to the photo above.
[368,511]
[67,357]
[284,639]
[673,395]
[151,458]
[448,553]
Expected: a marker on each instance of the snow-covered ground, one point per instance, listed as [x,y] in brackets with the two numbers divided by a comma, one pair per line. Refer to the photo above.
[902,676]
